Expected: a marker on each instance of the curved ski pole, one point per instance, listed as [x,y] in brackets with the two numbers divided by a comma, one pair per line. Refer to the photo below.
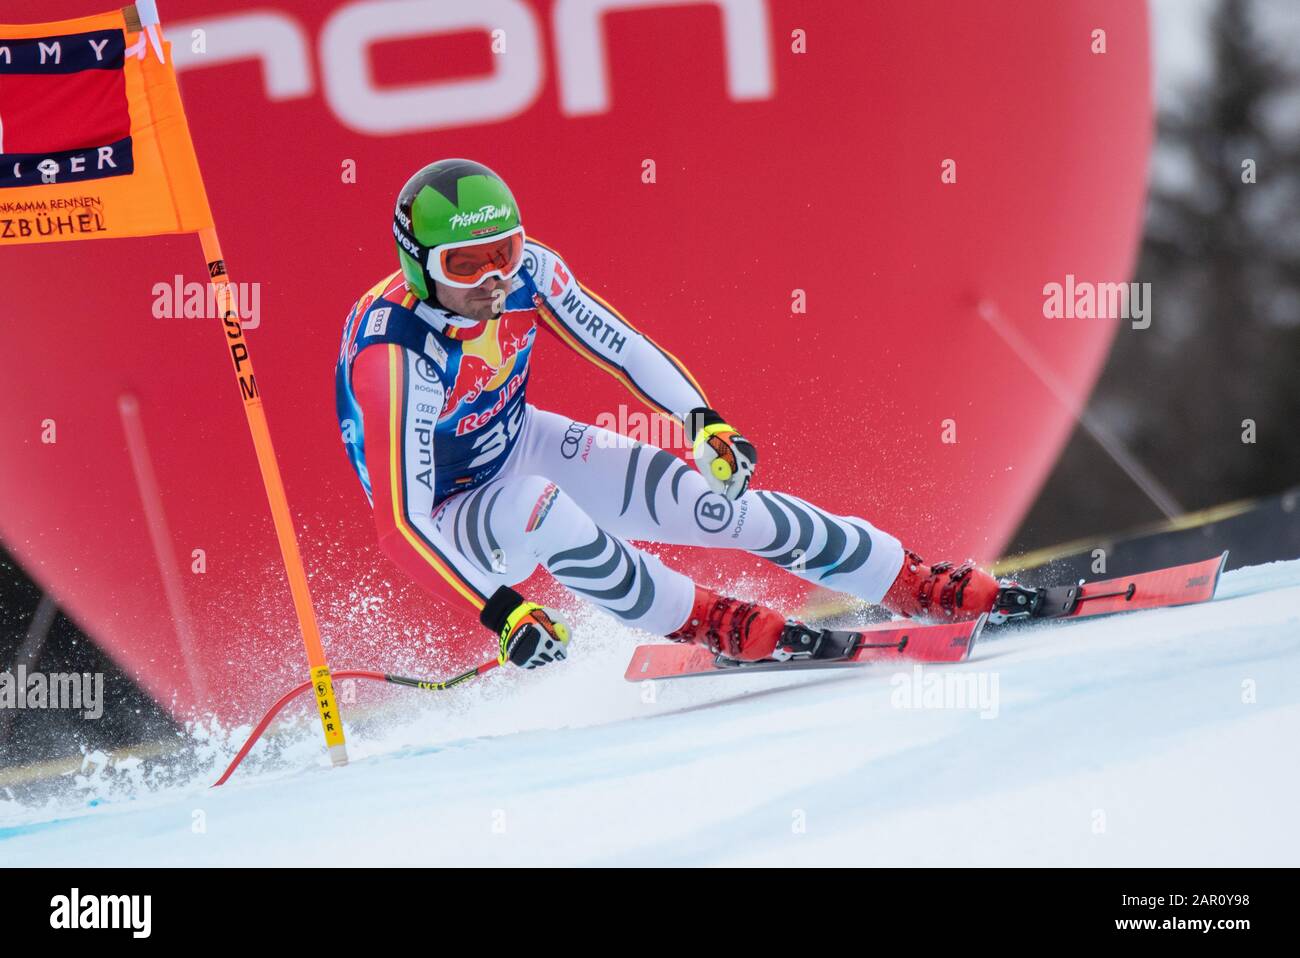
[274,710]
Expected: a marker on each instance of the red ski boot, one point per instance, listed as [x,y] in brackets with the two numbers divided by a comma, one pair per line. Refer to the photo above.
[940,592]
[738,630]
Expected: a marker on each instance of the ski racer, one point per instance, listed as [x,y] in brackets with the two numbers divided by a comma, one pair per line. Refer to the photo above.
[473,488]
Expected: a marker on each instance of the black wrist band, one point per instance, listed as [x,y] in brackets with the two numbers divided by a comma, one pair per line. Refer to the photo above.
[498,608]
[701,417]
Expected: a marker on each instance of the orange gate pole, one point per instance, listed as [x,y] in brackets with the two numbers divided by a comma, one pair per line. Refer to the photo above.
[326,704]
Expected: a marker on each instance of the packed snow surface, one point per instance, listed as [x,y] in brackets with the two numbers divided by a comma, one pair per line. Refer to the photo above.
[1165,737]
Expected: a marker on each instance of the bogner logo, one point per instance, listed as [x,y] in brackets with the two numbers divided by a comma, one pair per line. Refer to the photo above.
[483,214]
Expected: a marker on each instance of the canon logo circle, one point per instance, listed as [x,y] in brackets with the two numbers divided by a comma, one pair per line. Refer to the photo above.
[281,45]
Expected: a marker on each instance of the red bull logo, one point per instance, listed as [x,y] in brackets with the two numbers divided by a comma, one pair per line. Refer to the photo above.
[477,420]
[486,366]
[472,375]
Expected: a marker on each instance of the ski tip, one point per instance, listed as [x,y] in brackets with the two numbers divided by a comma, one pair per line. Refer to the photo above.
[1218,573]
[975,634]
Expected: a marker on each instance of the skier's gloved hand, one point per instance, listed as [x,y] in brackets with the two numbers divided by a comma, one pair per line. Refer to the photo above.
[723,456]
[530,635]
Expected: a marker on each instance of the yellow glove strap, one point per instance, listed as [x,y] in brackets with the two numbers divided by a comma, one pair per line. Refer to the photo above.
[707,431]
[512,620]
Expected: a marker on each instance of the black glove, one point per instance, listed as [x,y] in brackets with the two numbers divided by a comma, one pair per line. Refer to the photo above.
[531,636]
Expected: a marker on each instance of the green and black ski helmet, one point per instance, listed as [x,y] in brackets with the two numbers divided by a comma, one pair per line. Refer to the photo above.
[456,222]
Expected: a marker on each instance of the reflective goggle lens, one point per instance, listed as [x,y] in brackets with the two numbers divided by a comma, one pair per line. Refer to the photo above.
[468,264]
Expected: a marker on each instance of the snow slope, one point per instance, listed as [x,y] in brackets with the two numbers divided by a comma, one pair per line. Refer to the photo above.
[1165,737]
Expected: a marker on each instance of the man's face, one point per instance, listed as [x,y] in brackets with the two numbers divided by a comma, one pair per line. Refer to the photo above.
[485,301]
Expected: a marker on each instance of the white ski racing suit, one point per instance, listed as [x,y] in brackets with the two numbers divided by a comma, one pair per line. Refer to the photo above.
[473,488]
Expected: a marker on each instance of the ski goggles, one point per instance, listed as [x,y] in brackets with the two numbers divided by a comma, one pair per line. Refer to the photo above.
[468,263]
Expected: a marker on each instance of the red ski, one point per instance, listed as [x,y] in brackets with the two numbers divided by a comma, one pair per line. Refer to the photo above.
[951,642]
[1176,585]
[887,642]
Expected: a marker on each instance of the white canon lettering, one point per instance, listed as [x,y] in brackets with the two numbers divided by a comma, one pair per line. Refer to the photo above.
[280,44]
[583,61]
[275,40]
[345,61]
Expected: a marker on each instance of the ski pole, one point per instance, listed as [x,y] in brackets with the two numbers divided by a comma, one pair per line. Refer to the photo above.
[428,685]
